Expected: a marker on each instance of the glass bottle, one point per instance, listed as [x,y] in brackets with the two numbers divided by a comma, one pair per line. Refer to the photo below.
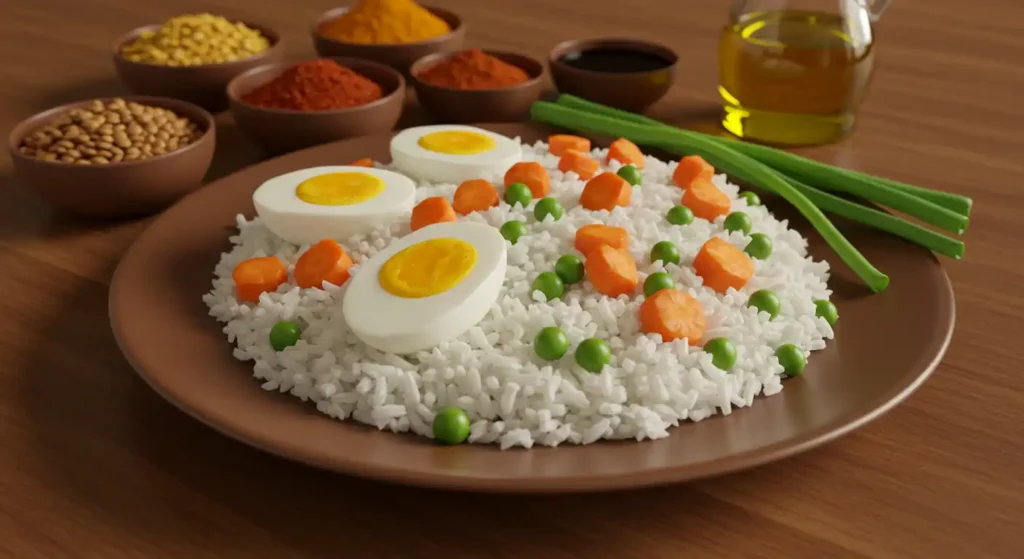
[794,72]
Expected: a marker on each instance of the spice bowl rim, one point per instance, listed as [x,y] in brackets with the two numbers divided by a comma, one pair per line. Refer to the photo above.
[428,61]
[36,121]
[283,65]
[641,45]
[336,11]
[275,38]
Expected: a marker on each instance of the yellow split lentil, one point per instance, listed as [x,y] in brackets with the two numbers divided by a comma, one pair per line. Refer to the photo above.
[194,39]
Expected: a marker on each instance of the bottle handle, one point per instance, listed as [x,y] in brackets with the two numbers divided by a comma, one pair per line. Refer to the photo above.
[877,8]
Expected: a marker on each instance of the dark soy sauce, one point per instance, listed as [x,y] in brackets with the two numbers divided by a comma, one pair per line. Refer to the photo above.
[615,60]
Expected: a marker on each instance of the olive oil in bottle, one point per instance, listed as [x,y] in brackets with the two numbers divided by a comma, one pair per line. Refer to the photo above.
[794,77]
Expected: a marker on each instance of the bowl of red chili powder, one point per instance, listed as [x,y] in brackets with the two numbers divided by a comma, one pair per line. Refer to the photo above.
[283,107]
[477,85]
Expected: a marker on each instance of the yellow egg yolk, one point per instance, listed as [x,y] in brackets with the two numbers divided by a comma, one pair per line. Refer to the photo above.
[339,189]
[457,142]
[427,268]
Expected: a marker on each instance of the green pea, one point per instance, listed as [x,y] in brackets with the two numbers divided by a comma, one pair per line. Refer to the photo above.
[632,175]
[792,359]
[825,309]
[551,343]
[656,282]
[751,198]
[451,425]
[593,354]
[760,246]
[569,268]
[723,353]
[549,284]
[680,215]
[284,334]
[766,300]
[518,193]
[738,221]
[666,252]
[546,207]
[512,230]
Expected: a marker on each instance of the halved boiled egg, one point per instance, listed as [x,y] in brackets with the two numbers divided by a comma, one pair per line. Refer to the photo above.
[451,154]
[333,202]
[427,287]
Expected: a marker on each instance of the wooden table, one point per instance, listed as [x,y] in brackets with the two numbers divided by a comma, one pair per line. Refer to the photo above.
[94,464]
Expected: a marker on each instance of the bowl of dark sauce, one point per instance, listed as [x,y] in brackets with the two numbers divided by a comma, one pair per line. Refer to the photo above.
[628,74]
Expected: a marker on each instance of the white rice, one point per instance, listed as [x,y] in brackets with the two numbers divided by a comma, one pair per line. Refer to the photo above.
[514,398]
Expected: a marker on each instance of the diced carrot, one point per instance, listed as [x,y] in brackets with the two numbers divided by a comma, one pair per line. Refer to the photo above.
[705,200]
[580,162]
[558,143]
[674,314]
[625,152]
[475,195]
[435,209]
[324,261]
[364,162]
[612,271]
[691,168]
[722,265]
[257,275]
[533,175]
[605,191]
[594,235]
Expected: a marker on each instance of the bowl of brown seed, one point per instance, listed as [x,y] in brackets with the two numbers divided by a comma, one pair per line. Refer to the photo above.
[114,157]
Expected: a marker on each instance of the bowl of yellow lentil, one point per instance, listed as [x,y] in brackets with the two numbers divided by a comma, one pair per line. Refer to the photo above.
[114,157]
[393,32]
[193,57]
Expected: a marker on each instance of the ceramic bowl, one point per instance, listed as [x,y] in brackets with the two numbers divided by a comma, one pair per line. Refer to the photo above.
[278,131]
[632,91]
[398,56]
[125,189]
[460,106]
[202,85]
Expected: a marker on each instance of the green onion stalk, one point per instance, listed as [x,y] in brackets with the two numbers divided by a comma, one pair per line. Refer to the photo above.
[723,157]
[943,209]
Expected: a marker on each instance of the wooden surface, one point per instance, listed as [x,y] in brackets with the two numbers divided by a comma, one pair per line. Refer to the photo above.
[94,464]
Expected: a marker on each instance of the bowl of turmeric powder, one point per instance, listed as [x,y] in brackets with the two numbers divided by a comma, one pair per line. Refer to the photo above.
[392,32]
[192,57]
[477,85]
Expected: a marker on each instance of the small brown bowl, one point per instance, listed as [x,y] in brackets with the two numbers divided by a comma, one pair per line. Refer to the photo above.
[125,189]
[460,106]
[629,91]
[279,131]
[399,56]
[202,85]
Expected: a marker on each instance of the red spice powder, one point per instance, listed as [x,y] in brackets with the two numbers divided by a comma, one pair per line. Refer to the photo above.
[316,85]
[473,69]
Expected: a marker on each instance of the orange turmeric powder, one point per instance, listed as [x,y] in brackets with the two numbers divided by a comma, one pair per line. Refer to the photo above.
[385,22]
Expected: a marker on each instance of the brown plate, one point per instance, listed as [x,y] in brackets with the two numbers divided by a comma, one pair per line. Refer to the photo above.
[886,345]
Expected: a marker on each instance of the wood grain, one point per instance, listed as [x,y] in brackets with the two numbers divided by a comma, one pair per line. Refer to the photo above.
[94,464]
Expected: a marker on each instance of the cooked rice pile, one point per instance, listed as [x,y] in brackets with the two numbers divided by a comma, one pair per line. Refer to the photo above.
[512,397]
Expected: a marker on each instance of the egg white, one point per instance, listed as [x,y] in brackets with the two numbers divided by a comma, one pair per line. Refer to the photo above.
[399,325]
[422,164]
[300,223]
